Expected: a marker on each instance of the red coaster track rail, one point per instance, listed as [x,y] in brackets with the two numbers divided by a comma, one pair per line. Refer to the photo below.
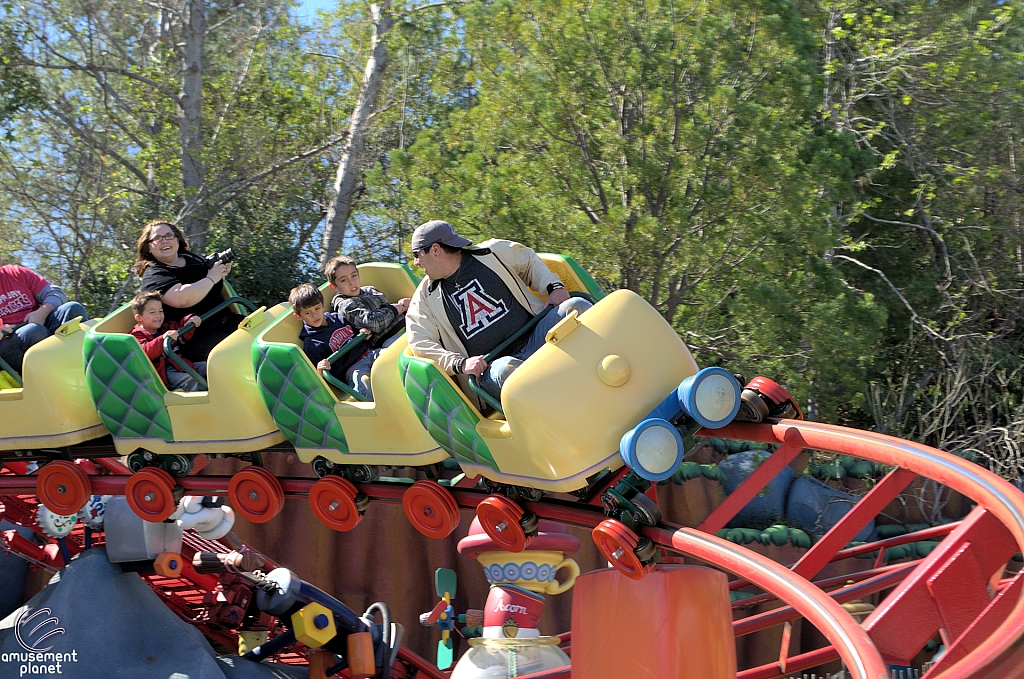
[956,592]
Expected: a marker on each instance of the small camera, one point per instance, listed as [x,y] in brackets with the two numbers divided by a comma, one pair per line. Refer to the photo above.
[226,257]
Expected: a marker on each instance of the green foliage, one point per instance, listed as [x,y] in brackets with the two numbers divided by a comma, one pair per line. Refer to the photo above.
[825,192]
[19,88]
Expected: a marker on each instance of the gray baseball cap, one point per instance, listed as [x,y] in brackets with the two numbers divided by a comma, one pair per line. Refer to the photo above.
[437,231]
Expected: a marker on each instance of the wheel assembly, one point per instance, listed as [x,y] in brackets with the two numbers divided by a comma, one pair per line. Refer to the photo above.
[647,510]
[431,509]
[63,487]
[150,494]
[503,520]
[780,403]
[256,494]
[618,544]
[333,500]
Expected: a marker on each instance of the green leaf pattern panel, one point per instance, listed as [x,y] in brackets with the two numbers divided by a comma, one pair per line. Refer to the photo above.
[443,412]
[128,393]
[296,397]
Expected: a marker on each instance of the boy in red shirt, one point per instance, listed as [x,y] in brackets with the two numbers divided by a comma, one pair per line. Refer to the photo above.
[29,300]
[151,329]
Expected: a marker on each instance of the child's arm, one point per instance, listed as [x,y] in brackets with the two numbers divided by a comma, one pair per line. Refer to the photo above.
[174,326]
[153,348]
[316,352]
[360,312]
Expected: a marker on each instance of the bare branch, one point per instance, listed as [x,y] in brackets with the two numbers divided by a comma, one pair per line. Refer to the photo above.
[98,68]
[237,187]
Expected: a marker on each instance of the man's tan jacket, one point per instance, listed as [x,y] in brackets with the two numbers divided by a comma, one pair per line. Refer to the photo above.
[430,333]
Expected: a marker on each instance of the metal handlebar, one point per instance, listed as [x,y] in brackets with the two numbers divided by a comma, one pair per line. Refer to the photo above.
[178,361]
[497,351]
[334,381]
[4,365]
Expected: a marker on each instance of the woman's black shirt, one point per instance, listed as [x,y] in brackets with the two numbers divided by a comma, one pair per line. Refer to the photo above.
[160,277]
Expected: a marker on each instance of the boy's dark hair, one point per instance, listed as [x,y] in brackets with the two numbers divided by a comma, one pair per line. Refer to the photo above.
[336,263]
[449,249]
[305,296]
[140,300]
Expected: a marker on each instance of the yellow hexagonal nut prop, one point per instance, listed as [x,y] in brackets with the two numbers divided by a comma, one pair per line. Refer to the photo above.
[168,564]
[314,625]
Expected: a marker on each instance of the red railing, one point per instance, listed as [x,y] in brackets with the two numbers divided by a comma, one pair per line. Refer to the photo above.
[956,592]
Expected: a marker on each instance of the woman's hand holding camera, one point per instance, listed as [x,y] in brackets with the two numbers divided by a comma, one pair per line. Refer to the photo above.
[218,271]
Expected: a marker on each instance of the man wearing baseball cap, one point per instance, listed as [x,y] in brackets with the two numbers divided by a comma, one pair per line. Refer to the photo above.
[473,298]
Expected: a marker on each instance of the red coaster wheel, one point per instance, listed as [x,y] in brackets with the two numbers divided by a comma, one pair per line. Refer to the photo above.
[256,494]
[333,500]
[150,494]
[431,509]
[773,391]
[616,542]
[63,487]
[499,517]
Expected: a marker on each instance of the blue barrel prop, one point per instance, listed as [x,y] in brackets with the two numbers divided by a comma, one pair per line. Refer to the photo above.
[653,449]
[711,398]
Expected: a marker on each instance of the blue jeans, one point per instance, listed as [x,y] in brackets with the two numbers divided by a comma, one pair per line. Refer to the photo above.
[358,374]
[182,381]
[499,370]
[13,347]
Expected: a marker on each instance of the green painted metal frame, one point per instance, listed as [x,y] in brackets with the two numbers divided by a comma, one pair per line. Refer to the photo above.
[178,361]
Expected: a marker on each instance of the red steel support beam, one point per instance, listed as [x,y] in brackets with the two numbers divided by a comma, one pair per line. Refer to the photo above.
[796,663]
[749,489]
[867,548]
[756,623]
[959,567]
[884,492]
[829,583]
[424,666]
[982,628]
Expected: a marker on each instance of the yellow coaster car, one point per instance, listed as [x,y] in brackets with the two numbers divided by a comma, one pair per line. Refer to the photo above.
[50,406]
[326,423]
[169,426]
[567,407]
[562,413]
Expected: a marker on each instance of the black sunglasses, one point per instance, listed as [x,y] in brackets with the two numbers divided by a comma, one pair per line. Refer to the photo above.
[417,253]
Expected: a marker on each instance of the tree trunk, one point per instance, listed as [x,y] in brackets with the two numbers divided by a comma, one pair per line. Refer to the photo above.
[350,165]
[190,123]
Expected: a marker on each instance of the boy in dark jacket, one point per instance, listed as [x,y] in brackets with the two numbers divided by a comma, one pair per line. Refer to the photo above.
[324,333]
[363,306]
[150,330]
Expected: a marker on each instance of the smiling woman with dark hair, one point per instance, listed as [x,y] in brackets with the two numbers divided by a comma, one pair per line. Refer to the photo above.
[188,284]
